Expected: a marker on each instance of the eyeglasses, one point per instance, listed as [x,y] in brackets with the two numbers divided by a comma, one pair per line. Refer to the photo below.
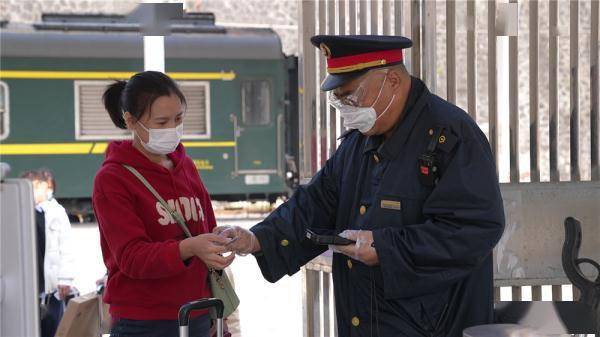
[356,97]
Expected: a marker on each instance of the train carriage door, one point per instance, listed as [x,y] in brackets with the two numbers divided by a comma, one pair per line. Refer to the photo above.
[256,131]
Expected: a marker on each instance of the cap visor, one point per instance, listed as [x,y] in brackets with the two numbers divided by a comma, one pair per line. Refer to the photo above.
[333,81]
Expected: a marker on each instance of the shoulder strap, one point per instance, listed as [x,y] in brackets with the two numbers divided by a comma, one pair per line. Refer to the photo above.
[162,201]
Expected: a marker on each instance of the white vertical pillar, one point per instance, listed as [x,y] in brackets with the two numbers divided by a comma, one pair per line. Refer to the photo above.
[154,53]
[503,109]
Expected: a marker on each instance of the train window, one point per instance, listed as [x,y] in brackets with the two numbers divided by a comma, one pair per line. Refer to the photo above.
[256,102]
[197,117]
[4,122]
[91,119]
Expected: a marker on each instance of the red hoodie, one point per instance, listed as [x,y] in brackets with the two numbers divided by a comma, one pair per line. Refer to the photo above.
[147,280]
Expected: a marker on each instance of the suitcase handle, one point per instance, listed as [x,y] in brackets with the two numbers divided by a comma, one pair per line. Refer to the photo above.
[214,304]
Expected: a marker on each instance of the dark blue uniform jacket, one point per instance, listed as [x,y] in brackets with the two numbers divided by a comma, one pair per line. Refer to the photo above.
[434,240]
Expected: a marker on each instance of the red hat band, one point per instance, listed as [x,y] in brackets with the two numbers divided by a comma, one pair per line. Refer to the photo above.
[345,64]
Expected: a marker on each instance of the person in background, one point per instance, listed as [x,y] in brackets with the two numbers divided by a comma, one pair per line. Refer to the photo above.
[54,250]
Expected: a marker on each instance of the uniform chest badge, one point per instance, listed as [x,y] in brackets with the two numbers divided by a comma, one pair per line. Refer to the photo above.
[391,204]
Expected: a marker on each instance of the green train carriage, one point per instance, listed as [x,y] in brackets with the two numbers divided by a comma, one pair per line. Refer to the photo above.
[237,83]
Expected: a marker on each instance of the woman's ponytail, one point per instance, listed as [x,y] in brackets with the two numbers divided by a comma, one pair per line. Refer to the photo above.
[112,99]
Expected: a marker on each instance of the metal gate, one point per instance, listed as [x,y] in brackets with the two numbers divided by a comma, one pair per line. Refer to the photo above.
[526,74]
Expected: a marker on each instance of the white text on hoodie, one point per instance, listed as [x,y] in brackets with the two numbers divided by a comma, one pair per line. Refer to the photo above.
[189,208]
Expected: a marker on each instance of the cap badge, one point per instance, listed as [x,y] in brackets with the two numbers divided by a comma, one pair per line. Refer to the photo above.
[325,50]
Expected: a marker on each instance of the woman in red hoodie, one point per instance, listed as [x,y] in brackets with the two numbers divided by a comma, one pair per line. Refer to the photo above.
[153,268]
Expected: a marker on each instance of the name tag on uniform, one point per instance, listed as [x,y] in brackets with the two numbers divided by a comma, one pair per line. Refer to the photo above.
[391,204]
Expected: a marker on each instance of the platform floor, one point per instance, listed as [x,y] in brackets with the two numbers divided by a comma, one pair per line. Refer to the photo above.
[268,310]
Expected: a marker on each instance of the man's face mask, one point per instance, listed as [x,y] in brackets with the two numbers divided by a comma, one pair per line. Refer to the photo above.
[358,117]
[162,141]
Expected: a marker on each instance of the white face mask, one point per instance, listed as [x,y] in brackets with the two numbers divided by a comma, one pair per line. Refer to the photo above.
[162,141]
[361,118]
[39,195]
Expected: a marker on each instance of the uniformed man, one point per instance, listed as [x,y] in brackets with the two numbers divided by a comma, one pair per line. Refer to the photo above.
[413,183]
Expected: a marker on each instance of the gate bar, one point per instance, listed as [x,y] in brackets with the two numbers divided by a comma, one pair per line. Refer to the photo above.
[331,120]
[471,61]
[306,81]
[363,17]
[574,68]
[492,81]
[595,91]
[398,17]
[533,91]
[374,17]
[451,51]
[321,138]
[553,90]
[428,29]
[415,19]
[352,16]
[385,10]
[513,103]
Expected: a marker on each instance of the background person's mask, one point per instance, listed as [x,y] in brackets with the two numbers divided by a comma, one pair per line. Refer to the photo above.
[162,141]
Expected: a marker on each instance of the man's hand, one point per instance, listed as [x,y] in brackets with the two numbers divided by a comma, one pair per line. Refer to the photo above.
[363,250]
[242,242]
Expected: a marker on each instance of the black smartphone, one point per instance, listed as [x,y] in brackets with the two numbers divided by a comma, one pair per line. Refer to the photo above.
[327,239]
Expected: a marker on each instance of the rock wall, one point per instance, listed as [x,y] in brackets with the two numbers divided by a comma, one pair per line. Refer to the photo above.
[281,15]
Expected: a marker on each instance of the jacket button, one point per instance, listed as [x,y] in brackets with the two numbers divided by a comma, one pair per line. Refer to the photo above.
[376,157]
[285,242]
[355,321]
[349,264]
[363,210]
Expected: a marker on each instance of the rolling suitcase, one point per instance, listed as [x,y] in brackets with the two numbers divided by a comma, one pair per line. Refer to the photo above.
[19,299]
[213,304]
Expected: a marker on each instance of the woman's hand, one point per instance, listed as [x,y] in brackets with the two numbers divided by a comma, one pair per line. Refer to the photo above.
[242,242]
[208,248]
